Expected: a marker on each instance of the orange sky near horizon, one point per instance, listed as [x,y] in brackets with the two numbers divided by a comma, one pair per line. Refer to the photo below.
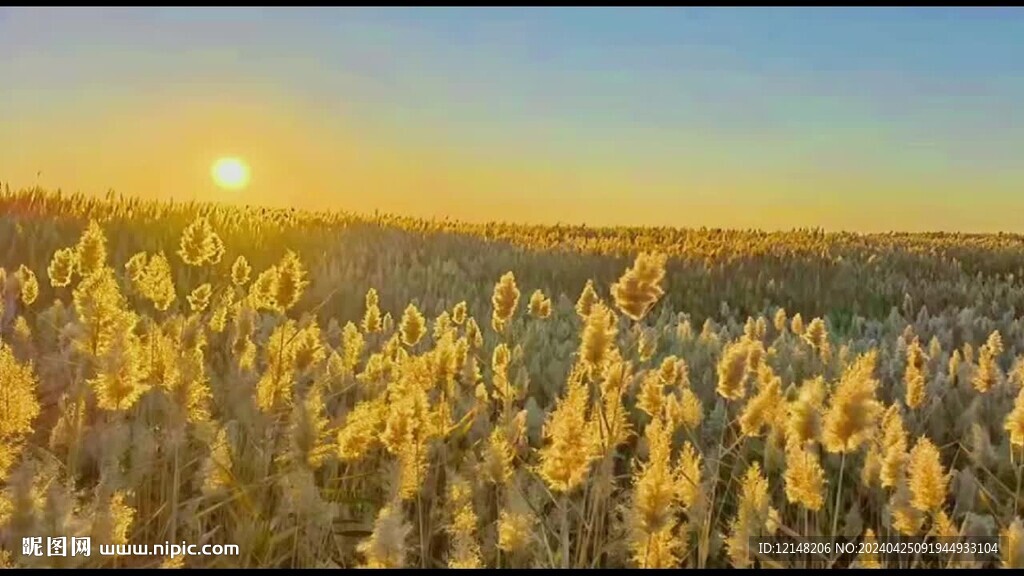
[327,163]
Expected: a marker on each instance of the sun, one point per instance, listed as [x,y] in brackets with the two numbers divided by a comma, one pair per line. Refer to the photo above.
[230,173]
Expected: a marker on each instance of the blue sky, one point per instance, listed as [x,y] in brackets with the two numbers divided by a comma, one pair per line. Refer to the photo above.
[769,117]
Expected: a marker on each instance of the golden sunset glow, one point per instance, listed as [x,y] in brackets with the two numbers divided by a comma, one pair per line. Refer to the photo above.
[230,173]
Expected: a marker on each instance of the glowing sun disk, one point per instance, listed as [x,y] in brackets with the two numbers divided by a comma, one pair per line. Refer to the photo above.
[230,173]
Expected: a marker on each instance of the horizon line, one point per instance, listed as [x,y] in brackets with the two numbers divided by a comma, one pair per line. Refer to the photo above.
[6,189]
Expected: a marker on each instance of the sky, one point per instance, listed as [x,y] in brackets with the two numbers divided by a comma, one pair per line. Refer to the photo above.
[863,119]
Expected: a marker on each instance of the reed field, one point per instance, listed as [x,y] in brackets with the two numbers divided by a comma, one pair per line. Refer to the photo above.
[336,390]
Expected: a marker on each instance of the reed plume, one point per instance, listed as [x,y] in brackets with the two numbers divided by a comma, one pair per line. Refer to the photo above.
[240,271]
[926,476]
[199,298]
[988,372]
[1011,544]
[893,448]
[386,547]
[459,313]
[816,336]
[464,549]
[752,516]
[1014,423]
[540,305]
[504,301]
[564,460]
[588,297]
[804,424]
[413,326]
[598,340]
[19,406]
[850,418]
[732,371]
[91,250]
[371,322]
[200,245]
[28,285]
[804,477]
[915,375]
[62,267]
[639,288]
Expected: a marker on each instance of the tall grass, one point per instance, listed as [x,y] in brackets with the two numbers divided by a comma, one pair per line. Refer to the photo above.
[329,400]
